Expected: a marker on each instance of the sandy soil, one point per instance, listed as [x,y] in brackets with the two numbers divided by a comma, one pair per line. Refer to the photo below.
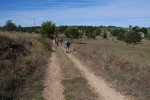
[54,88]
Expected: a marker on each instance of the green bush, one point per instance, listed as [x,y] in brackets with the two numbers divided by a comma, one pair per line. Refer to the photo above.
[133,37]
[121,36]
[72,32]
[105,35]
[10,26]
[48,29]
[116,32]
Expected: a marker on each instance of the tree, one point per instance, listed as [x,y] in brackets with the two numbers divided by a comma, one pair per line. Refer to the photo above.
[10,26]
[130,26]
[138,29]
[135,29]
[72,32]
[115,32]
[98,31]
[19,28]
[121,34]
[62,29]
[133,37]
[1,28]
[48,29]
[144,30]
[90,32]
[148,36]
[118,32]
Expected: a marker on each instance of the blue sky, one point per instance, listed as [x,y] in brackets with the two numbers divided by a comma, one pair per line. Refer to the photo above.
[76,12]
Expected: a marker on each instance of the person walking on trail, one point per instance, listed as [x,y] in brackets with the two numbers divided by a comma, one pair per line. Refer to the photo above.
[54,43]
[67,45]
[57,41]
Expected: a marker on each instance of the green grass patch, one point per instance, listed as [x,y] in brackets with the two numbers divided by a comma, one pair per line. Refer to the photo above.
[76,88]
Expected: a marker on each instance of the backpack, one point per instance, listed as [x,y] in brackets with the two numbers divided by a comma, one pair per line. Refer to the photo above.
[68,43]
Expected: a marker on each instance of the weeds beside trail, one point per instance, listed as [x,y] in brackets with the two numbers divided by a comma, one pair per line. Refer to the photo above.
[125,67]
[75,85]
[22,65]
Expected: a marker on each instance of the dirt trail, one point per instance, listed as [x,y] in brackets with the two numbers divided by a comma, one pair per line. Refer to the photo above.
[97,83]
[54,88]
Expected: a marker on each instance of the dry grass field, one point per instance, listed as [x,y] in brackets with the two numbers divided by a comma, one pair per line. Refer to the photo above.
[23,59]
[125,67]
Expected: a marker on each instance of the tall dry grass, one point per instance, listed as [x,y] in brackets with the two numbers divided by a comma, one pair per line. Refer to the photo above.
[20,78]
[125,67]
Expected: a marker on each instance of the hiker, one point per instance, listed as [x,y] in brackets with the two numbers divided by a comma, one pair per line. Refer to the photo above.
[57,41]
[67,45]
[54,43]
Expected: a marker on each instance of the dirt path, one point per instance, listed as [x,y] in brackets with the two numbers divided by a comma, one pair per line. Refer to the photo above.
[54,88]
[97,83]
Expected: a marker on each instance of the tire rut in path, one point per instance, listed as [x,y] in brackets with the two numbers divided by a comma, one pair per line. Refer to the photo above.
[97,83]
[54,88]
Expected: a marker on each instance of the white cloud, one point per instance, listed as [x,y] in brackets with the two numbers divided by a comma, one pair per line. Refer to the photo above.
[120,13]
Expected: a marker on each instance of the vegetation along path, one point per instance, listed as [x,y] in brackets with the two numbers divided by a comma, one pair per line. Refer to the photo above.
[99,85]
[55,90]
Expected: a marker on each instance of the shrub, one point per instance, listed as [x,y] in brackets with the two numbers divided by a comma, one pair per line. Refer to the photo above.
[72,32]
[10,26]
[116,32]
[48,29]
[105,35]
[133,37]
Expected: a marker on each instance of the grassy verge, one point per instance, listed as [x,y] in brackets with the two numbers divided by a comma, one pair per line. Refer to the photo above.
[125,67]
[76,86]
[23,62]
[45,42]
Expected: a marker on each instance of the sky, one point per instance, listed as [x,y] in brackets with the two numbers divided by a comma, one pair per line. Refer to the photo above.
[76,12]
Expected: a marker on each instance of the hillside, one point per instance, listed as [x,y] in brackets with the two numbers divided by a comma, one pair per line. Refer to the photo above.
[23,59]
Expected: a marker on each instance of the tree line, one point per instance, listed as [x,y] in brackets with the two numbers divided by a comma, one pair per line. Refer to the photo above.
[131,35]
[11,26]
[49,29]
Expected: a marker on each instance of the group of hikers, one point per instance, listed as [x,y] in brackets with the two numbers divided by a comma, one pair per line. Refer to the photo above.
[59,41]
